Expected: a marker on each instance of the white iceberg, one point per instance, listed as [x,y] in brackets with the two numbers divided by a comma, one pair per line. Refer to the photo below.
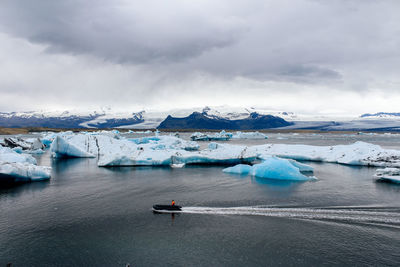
[388,174]
[359,153]
[63,148]
[146,155]
[15,167]
[249,135]
[8,155]
[221,136]
[23,172]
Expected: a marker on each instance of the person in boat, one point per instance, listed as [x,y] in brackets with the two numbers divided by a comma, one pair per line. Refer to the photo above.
[173,203]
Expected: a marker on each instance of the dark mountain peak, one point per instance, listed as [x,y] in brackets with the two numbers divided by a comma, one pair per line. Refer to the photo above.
[254,115]
[198,120]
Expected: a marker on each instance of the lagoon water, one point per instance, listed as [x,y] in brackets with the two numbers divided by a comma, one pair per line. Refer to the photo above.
[91,216]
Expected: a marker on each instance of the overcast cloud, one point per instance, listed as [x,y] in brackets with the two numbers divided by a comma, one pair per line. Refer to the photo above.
[296,55]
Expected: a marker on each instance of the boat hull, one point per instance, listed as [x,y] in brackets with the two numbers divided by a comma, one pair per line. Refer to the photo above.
[166,208]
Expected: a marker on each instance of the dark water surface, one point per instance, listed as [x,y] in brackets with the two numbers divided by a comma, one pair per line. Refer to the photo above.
[91,216]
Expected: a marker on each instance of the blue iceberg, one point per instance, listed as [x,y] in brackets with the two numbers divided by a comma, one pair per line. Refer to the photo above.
[274,168]
[239,169]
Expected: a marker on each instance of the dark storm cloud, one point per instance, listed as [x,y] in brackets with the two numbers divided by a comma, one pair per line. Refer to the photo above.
[120,31]
[307,39]
[145,52]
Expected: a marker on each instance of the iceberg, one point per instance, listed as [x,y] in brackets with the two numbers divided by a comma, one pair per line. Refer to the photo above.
[146,155]
[24,144]
[62,148]
[23,172]
[359,153]
[15,167]
[243,169]
[220,154]
[271,168]
[9,155]
[388,175]
[167,150]
[301,166]
[221,136]
[249,135]
[276,168]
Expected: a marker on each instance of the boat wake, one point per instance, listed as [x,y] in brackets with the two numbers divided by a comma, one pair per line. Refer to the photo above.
[370,215]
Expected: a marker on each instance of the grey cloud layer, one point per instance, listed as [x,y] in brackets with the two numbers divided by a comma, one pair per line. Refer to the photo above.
[299,39]
[121,31]
[150,47]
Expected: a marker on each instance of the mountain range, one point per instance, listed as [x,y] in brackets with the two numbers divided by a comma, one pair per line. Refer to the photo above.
[223,117]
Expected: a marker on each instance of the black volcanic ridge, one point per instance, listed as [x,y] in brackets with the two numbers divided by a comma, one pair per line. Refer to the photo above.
[198,120]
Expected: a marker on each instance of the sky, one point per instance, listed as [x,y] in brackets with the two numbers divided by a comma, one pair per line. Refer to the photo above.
[304,56]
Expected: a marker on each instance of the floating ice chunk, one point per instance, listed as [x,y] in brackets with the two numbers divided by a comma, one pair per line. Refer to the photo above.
[239,169]
[388,174]
[23,172]
[271,168]
[191,146]
[24,144]
[388,171]
[212,146]
[249,135]
[178,165]
[143,140]
[221,136]
[359,153]
[62,148]
[223,154]
[301,166]
[281,169]
[8,155]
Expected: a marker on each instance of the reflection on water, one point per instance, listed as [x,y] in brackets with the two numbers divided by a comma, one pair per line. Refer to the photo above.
[15,190]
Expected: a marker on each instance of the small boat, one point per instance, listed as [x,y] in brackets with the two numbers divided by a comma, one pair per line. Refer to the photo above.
[166,208]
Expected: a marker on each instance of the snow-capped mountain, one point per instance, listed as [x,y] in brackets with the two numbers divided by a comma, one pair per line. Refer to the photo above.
[150,119]
[381,115]
[197,120]
[102,118]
